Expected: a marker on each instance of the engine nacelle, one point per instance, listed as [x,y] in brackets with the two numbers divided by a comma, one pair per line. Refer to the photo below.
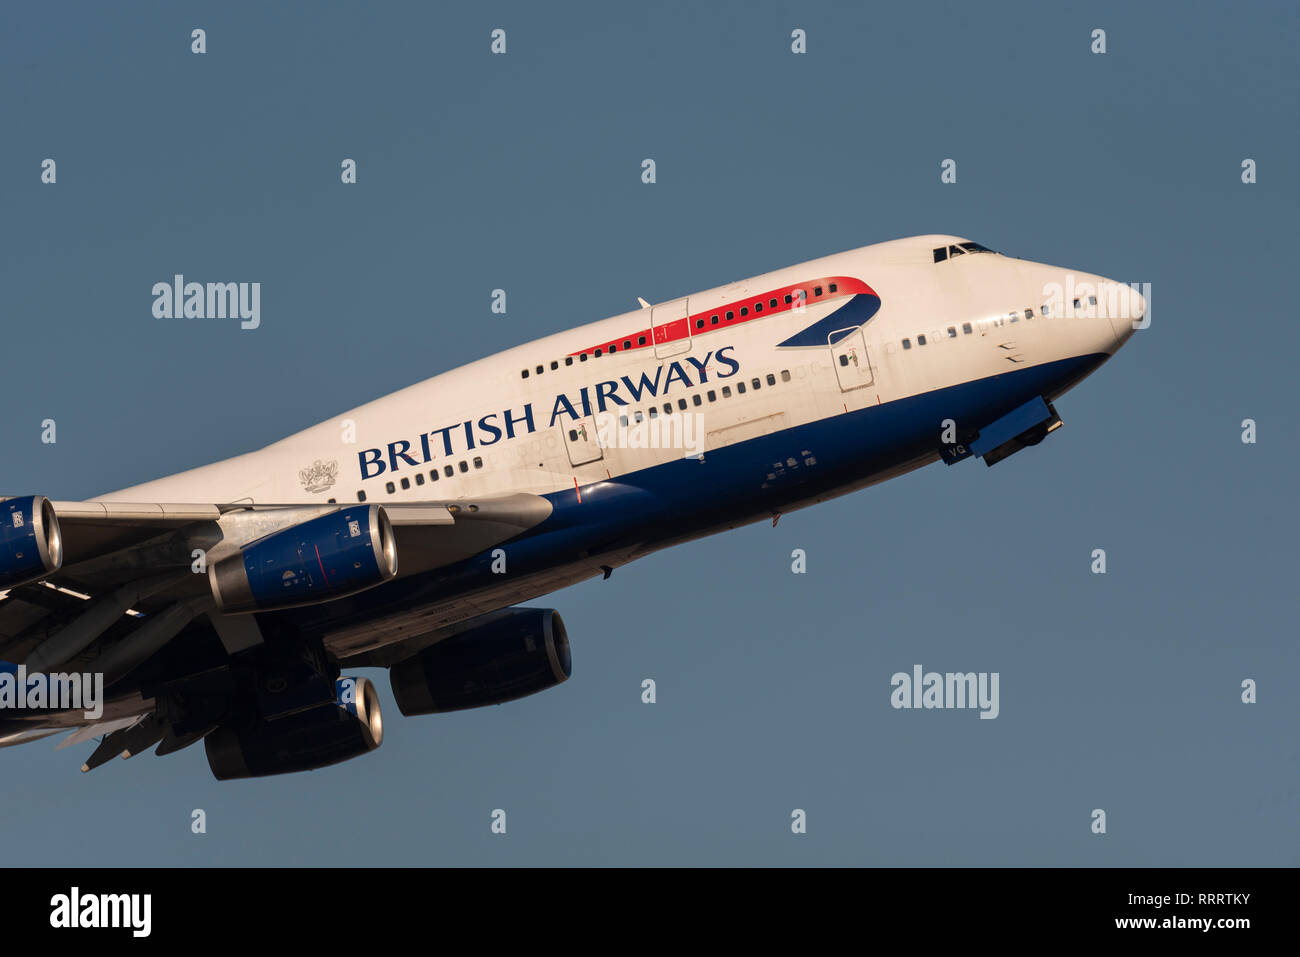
[304,741]
[31,545]
[315,561]
[518,654]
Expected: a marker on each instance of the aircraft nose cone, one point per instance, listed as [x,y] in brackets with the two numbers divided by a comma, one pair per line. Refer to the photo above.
[1130,316]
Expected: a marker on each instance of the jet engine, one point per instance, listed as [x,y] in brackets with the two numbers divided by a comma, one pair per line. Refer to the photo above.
[31,545]
[315,561]
[303,741]
[520,653]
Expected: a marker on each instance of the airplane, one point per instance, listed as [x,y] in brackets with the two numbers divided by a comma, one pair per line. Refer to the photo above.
[223,603]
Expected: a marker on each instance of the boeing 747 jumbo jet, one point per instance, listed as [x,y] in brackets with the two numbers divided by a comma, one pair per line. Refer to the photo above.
[221,604]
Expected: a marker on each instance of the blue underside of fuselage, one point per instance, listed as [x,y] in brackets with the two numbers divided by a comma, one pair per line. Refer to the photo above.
[743,482]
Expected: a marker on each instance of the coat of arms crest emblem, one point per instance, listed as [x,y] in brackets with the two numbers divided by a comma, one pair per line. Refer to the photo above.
[319,475]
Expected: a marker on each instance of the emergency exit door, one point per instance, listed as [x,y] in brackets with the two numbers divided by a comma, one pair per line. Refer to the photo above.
[849,356]
[670,324]
[581,441]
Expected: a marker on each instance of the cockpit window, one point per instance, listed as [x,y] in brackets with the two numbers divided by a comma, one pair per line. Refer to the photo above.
[949,252]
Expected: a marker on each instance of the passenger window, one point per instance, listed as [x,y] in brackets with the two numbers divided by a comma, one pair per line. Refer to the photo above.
[447,471]
[654,412]
[696,399]
[920,340]
[464,466]
[361,496]
[965,327]
[478,462]
[573,435]
[758,307]
[597,353]
[952,332]
[568,360]
[419,478]
[713,396]
[1092,300]
[540,370]
[524,374]
[771,303]
[406,484]
[788,300]
[433,475]
[844,360]
[554,365]
[699,323]
[907,343]
[640,340]
[582,357]
[730,315]
[627,343]
[681,404]
[391,488]
[613,347]
[817,290]
[744,310]
[726,392]
[668,408]
[713,321]
[639,415]
[785,377]
[1029,313]
[833,287]
[1013,316]
[740,388]
[756,382]
[771,379]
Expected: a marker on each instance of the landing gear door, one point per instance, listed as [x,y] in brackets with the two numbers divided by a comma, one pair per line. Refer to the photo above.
[671,326]
[849,356]
[581,441]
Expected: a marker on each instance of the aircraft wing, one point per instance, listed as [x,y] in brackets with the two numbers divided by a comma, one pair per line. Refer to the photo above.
[127,568]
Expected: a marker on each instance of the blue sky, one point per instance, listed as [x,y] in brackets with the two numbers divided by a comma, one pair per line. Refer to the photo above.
[522,172]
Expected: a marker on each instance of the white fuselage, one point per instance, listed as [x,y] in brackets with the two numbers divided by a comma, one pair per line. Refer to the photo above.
[531,419]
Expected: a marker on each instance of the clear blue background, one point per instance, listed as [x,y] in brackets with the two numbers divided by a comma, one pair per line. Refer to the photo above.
[523,172]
